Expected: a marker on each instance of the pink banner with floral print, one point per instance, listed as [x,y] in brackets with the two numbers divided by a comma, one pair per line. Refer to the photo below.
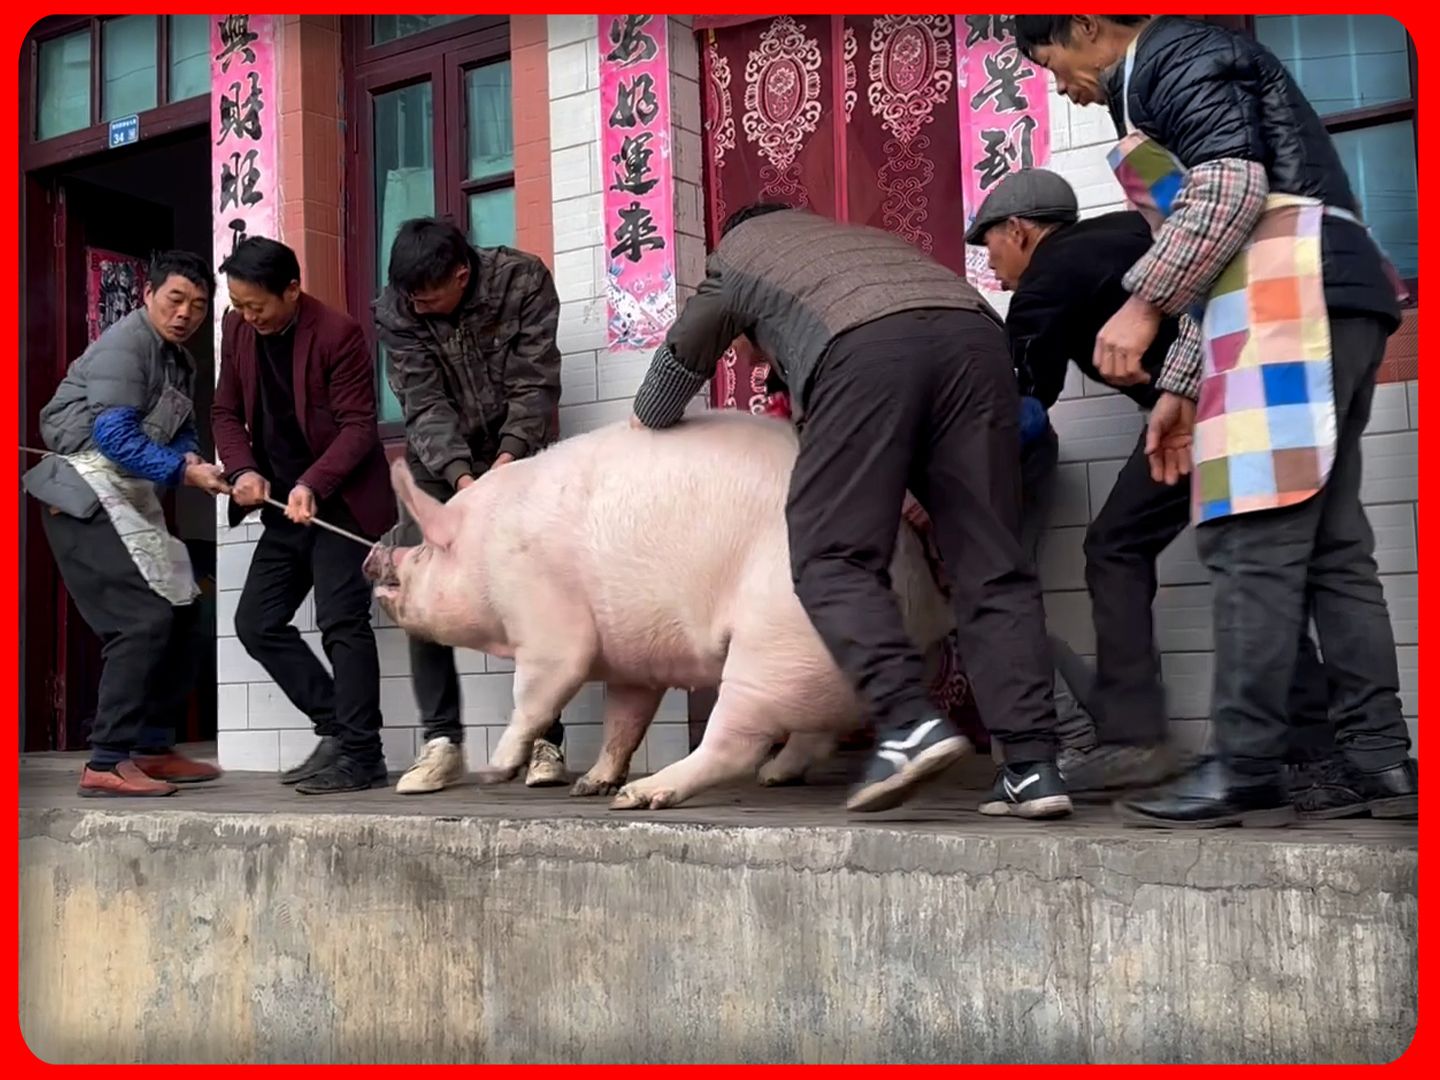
[1004,118]
[639,201]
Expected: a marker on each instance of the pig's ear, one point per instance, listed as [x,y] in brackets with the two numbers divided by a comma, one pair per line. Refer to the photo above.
[437,523]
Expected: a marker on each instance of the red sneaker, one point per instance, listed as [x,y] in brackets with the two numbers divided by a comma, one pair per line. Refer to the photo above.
[127,781]
[175,768]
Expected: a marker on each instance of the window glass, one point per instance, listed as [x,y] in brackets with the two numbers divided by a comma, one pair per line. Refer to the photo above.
[128,79]
[62,85]
[1341,62]
[189,56]
[1381,164]
[404,185]
[384,28]
[490,131]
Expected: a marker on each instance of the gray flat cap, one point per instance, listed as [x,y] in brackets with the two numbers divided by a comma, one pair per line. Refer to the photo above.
[1029,193]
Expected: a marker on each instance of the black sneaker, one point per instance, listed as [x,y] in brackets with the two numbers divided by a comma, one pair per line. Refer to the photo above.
[903,759]
[325,754]
[1108,767]
[1028,791]
[346,774]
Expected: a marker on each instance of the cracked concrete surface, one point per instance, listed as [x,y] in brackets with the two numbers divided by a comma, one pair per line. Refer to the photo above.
[245,923]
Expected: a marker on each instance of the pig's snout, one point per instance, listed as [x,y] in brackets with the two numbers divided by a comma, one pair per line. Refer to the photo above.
[379,565]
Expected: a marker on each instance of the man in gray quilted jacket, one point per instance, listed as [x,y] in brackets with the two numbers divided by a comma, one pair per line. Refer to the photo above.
[899,376]
[120,425]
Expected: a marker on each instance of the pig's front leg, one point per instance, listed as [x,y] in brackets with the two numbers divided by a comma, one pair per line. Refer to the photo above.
[544,684]
[798,754]
[628,713]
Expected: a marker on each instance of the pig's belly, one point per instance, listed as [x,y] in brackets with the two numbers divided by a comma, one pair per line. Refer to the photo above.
[663,656]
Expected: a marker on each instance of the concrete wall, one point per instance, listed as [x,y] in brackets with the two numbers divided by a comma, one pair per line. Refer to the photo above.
[166,937]
[1098,429]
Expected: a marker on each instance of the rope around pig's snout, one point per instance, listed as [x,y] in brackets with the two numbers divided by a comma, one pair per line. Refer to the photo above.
[388,577]
[272,502]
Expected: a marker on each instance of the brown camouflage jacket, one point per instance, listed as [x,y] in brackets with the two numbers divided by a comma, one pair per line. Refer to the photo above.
[484,381]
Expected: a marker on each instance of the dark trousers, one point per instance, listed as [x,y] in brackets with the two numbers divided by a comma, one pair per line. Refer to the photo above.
[1139,520]
[925,400]
[432,666]
[1074,681]
[289,561]
[148,646]
[1274,569]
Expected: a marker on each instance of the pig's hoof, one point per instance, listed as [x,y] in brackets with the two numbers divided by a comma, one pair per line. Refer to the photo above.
[492,775]
[634,798]
[776,778]
[584,787]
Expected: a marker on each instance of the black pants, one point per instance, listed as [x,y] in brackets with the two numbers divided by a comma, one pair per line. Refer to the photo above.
[432,666]
[289,561]
[1274,569]
[1139,520]
[925,399]
[1074,681]
[149,647]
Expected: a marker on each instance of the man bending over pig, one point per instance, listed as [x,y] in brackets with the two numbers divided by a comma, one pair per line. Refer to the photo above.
[899,375]
[470,347]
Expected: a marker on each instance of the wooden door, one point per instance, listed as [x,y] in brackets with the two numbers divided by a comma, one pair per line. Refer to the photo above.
[63,656]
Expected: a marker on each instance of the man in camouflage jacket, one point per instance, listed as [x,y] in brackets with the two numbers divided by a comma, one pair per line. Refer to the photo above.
[469,335]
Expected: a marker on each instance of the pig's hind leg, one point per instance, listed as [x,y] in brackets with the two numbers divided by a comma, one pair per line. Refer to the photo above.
[800,752]
[736,741]
[628,713]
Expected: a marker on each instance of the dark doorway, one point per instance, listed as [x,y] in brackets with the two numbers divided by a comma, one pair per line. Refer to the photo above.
[81,217]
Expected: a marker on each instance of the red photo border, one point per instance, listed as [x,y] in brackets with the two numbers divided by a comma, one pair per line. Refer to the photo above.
[16,22]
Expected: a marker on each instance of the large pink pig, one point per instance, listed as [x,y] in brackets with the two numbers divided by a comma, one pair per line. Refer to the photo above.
[645,560]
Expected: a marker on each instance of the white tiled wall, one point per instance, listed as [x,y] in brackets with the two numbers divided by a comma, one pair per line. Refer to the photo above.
[259,728]
[1098,429]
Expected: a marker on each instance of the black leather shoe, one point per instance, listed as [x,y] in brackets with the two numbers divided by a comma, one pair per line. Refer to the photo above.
[1206,796]
[346,774]
[1393,792]
[1328,789]
[326,751]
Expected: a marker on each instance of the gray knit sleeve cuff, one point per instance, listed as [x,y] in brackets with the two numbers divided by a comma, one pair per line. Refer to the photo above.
[668,387]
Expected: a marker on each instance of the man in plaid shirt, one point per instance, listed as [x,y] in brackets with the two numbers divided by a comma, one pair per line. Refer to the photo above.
[1234,119]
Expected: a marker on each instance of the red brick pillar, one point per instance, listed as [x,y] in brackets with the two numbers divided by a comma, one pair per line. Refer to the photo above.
[312,153]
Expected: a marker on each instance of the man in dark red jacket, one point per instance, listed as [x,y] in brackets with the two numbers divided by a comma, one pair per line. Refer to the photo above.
[295,419]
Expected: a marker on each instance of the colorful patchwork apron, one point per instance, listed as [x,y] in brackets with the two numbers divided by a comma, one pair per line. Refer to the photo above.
[1265,428]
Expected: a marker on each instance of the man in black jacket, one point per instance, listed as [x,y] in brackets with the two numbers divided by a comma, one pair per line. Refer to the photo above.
[1065,278]
[1297,304]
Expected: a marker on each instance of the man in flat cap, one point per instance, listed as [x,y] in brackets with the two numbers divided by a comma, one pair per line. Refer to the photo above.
[1066,278]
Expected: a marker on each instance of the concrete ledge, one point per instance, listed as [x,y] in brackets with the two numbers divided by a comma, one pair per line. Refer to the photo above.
[523,929]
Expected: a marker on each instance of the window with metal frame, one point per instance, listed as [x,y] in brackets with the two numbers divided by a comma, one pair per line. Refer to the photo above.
[431,134]
[85,70]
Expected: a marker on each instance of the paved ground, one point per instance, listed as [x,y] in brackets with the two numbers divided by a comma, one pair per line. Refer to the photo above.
[48,781]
